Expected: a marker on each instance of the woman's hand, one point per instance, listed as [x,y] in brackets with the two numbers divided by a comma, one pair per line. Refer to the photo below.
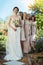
[18,25]
[14,29]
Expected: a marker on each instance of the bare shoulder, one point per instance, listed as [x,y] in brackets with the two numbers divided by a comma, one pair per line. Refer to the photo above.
[10,17]
[19,17]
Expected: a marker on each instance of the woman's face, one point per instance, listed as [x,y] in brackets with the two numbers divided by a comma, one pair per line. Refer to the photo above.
[33,18]
[28,17]
[15,10]
[21,14]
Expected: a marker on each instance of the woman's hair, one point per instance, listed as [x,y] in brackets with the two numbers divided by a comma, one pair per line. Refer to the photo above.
[15,8]
[34,17]
[22,14]
[28,15]
[29,18]
[25,15]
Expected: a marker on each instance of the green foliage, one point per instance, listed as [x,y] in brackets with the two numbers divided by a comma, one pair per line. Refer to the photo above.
[39,44]
[39,41]
[39,33]
[3,39]
[38,5]
[39,19]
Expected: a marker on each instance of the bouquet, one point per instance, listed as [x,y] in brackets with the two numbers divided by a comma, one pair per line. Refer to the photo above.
[16,23]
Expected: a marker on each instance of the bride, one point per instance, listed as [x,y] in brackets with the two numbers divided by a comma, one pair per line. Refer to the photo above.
[13,46]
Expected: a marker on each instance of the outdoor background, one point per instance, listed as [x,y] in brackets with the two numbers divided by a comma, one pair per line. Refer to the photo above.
[30,6]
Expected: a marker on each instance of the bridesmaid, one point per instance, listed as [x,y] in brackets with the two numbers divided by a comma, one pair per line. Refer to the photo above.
[33,31]
[27,47]
[22,35]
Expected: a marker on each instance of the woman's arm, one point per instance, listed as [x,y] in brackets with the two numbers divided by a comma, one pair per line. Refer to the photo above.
[36,28]
[20,24]
[30,28]
[24,29]
[9,23]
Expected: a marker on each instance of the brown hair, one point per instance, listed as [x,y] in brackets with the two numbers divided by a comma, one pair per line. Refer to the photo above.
[34,17]
[22,15]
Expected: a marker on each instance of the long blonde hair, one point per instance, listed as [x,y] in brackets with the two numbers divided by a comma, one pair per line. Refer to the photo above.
[24,15]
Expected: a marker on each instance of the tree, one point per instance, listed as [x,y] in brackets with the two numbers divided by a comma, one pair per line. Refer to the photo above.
[39,19]
[37,6]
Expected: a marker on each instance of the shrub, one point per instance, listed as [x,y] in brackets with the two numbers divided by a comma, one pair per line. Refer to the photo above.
[39,44]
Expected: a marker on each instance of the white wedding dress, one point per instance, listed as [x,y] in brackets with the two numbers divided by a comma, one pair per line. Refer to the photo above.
[13,46]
